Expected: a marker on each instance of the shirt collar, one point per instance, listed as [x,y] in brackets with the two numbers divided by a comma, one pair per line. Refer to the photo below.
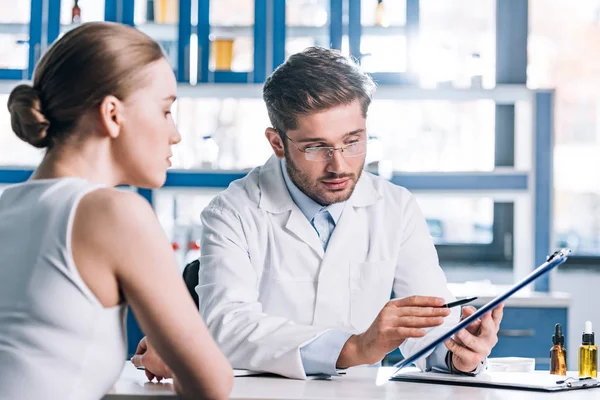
[308,206]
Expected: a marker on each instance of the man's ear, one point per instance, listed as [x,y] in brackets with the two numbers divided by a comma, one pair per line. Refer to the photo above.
[276,142]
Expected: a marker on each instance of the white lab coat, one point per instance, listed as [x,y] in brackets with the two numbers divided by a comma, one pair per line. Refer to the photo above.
[267,288]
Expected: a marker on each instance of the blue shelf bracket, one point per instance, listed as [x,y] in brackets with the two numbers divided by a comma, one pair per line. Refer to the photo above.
[35,35]
[412,36]
[111,11]
[128,12]
[53,20]
[203,39]
[543,193]
[183,41]
[354,29]
[336,18]
[260,41]
[278,33]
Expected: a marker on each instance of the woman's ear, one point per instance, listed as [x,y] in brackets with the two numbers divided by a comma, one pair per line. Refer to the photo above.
[111,115]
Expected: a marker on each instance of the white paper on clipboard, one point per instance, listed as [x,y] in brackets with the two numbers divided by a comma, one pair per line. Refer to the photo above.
[538,381]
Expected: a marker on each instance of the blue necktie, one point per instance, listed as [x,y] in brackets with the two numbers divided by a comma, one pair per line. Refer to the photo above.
[323,224]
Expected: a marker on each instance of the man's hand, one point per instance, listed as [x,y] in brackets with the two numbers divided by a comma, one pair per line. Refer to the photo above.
[146,357]
[474,344]
[399,320]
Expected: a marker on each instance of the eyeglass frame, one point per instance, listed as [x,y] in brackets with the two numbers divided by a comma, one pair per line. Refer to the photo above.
[341,149]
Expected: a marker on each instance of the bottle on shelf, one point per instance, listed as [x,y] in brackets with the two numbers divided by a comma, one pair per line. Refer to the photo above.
[166,11]
[150,11]
[209,152]
[476,71]
[223,52]
[179,256]
[76,13]
[381,18]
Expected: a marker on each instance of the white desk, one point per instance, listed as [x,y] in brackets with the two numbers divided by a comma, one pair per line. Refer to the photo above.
[358,383]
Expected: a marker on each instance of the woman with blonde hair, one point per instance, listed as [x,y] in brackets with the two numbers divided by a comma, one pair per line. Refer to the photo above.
[74,251]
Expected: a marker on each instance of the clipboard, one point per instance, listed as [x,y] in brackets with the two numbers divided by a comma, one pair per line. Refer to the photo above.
[530,381]
[552,261]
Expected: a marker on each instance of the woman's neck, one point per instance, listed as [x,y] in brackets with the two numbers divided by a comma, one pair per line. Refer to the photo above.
[77,162]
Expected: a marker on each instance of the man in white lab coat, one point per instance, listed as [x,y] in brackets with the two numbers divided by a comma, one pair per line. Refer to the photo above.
[300,257]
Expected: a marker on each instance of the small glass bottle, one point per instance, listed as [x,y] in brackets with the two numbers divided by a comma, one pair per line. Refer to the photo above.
[558,354]
[150,11]
[588,354]
[380,15]
[76,13]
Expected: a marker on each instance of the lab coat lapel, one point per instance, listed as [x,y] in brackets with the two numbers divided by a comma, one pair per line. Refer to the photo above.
[275,198]
[350,239]
[299,226]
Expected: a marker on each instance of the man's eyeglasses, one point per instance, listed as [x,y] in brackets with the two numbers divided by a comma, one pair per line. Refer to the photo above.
[322,153]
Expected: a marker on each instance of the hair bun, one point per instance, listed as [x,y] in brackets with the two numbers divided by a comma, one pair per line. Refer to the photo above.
[26,117]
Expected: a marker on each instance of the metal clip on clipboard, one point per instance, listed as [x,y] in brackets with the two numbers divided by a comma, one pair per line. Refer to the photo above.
[578,382]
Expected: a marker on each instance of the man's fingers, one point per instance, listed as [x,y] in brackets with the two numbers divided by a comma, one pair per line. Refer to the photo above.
[418,301]
[142,346]
[462,352]
[473,343]
[497,315]
[420,311]
[149,375]
[137,360]
[403,333]
[488,326]
[467,311]
[418,322]
[474,328]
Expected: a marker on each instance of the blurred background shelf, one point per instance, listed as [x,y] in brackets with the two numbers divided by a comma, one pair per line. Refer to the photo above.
[501,94]
[168,32]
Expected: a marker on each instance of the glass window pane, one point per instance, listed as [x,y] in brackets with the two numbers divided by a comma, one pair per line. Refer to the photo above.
[383,41]
[179,214]
[455,220]
[232,35]
[14,151]
[457,43]
[410,136]
[383,54]
[14,34]
[562,54]
[307,24]
[221,133]
[159,19]
[14,50]
[434,135]
[15,12]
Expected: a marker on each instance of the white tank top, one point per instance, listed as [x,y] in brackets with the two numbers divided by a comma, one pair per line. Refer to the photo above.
[57,341]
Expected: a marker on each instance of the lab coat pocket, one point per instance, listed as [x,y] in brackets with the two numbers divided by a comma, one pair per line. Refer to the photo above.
[370,289]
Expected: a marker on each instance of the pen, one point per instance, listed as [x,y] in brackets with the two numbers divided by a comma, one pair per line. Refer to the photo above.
[459,302]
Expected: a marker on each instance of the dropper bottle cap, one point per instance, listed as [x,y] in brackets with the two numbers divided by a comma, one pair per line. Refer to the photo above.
[588,335]
[558,338]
